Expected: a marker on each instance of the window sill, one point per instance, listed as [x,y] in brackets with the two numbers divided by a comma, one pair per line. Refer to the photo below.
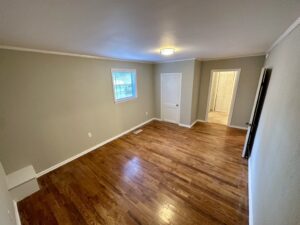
[125,100]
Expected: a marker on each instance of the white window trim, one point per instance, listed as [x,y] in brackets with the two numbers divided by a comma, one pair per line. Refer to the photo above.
[113,86]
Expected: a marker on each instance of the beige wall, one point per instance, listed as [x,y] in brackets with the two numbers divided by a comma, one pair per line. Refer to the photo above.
[6,203]
[188,107]
[48,104]
[274,166]
[250,72]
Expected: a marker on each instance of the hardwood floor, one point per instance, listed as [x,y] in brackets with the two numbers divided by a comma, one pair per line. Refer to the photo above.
[164,175]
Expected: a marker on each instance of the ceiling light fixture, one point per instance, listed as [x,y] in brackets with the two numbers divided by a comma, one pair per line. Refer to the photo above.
[167,51]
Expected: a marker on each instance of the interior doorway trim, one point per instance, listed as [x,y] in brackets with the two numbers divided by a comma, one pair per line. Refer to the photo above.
[161,95]
[235,86]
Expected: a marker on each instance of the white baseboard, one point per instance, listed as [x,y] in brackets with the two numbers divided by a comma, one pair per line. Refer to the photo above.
[17,216]
[238,127]
[250,194]
[180,124]
[91,149]
[184,125]
[158,119]
[194,123]
[232,126]
[188,126]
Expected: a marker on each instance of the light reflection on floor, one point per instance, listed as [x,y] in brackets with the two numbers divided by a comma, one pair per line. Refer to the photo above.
[132,167]
[166,213]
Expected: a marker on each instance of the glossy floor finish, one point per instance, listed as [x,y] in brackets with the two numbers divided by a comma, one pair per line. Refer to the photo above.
[164,175]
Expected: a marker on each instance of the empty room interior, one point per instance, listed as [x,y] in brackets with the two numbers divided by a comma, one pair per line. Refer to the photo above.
[157,112]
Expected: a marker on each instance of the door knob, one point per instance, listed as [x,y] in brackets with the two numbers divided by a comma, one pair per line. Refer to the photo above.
[177,105]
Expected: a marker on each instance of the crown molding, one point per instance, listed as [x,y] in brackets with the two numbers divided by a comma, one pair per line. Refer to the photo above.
[232,57]
[15,48]
[285,34]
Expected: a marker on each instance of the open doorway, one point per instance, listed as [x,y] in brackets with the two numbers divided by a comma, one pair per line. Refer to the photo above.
[221,97]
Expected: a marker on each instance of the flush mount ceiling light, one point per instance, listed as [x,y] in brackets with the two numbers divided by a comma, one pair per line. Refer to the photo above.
[167,51]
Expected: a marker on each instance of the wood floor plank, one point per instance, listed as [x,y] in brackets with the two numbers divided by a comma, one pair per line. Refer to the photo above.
[164,175]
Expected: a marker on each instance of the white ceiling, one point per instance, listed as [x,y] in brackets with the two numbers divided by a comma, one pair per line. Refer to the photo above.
[136,29]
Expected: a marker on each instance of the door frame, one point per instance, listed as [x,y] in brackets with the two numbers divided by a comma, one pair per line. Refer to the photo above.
[253,108]
[235,87]
[161,96]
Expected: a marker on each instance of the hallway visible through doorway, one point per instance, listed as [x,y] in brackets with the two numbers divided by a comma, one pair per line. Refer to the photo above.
[218,117]
[223,85]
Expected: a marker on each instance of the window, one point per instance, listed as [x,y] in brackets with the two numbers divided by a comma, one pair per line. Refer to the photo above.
[124,84]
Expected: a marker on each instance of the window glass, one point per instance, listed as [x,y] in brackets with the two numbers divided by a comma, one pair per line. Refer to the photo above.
[124,84]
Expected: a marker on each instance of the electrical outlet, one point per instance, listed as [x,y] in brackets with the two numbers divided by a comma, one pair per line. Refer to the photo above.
[146,113]
[90,134]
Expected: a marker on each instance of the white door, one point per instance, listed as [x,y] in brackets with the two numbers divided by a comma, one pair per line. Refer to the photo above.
[170,97]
